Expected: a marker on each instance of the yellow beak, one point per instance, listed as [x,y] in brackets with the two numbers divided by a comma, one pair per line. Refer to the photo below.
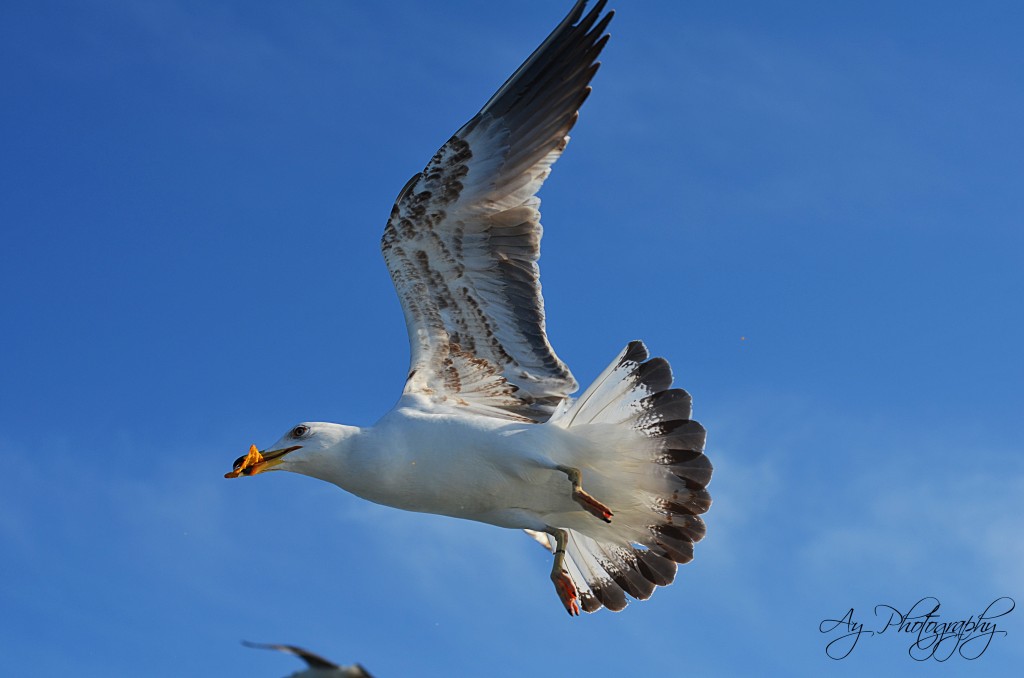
[257,462]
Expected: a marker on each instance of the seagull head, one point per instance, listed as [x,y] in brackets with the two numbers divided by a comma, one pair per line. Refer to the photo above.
[298,450]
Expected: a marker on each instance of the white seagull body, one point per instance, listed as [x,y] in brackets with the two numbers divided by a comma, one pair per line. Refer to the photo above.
[614,482]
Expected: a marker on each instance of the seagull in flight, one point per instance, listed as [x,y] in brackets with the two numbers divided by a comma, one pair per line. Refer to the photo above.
[613,482]
[317,666]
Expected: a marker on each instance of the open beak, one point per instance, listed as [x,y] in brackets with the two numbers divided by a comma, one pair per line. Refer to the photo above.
[258,462]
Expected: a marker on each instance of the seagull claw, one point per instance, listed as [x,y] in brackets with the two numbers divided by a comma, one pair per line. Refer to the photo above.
[582,497]
[593,506]
[567,592]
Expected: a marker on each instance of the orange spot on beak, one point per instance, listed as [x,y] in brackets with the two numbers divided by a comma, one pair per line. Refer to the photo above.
[246,463]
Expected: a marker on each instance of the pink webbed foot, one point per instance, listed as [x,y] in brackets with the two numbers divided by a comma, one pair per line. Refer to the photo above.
[567,592]
[593,506]
[582,497]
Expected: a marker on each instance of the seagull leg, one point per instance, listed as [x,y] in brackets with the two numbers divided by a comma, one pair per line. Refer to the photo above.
[581,497]
[564,585]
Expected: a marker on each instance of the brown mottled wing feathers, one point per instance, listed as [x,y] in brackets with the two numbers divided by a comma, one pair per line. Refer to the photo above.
[463,239]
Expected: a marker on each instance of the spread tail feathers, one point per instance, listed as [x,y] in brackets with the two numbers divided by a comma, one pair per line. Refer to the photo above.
[644,458]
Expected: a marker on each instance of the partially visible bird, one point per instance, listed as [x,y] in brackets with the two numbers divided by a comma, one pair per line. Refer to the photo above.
[318,667]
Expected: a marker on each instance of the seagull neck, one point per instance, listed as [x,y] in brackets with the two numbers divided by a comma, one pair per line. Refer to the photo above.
[334,455]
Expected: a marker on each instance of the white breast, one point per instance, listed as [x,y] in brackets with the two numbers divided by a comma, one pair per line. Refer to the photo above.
[465,466]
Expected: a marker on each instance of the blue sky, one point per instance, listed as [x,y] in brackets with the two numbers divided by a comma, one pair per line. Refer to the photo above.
[813,210]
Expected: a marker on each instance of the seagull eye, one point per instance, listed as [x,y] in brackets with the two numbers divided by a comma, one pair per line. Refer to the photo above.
[300,431]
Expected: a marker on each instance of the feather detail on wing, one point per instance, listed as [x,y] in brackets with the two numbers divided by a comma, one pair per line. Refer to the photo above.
[463,239]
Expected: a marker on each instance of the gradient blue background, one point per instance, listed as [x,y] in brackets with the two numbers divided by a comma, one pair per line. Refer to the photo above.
[813,210]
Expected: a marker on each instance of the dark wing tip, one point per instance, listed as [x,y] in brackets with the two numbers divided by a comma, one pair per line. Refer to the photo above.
[602,25]
[573,40]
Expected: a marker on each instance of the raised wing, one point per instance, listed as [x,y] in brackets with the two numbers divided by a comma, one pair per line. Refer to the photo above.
[317,665]
[314,661]
[463,238]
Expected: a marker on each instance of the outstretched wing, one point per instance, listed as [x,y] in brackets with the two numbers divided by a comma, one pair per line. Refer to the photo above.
[317,664]
[314,661]
[463,238]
